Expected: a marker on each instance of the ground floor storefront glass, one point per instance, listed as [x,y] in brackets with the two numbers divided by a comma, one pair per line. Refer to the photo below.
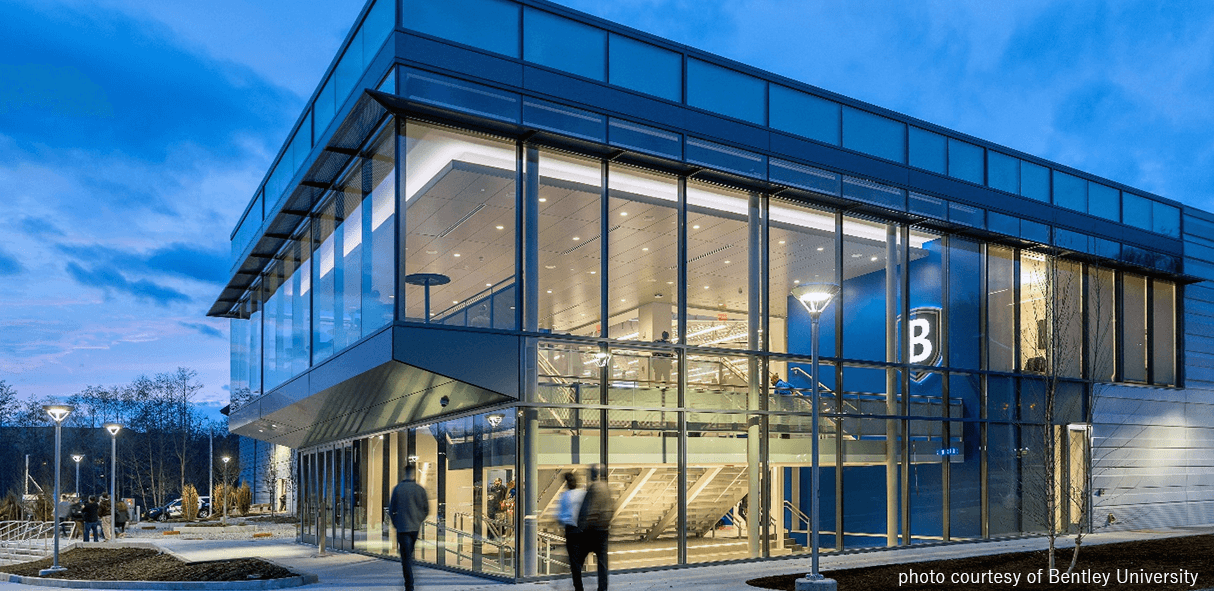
[696,485]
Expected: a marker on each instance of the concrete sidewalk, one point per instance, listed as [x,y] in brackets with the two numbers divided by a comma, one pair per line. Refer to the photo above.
[355,572]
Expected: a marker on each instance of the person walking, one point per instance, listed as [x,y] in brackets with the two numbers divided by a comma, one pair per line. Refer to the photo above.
[567,513]
[408,509]
[594,519]
[92,519]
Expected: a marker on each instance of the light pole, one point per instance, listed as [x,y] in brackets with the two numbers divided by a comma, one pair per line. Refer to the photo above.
[113,428]
[815,297]
[58,413]
[226,489]
[76,458]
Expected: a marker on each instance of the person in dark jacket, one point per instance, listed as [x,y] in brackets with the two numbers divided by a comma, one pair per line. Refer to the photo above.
[594,519]
[92,519]
[408,509]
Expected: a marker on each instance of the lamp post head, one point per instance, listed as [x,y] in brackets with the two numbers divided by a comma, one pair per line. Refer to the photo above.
[494,420]
[77,457]
[815,297]
[113,428]
[226,459]
[58,412]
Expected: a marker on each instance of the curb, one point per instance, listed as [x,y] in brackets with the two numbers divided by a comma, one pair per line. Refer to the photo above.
[286,583]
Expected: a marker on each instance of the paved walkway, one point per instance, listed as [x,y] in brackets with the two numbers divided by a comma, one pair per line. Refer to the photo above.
[355,572]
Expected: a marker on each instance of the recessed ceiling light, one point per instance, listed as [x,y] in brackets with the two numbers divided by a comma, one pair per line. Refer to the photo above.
[695,227]
[454,301]
[855,256]
[669,283]
[549,266]
[431,252]
[646,249]
[781,242]
[488,285]
[705,287]
[457,254]
[576,238]
[623,213]
[543,199]
[501,227]
[550,291]
[796,281]
[594,272]
[726,262]
[821,248]
[873,259]
[623,299]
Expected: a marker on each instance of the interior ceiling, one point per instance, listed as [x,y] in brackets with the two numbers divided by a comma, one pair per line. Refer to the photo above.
[462,225]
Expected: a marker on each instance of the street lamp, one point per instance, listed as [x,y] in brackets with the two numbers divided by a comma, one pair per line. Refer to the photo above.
[113,428]
[58,413]
[815,297]
[76,458]
[226,489]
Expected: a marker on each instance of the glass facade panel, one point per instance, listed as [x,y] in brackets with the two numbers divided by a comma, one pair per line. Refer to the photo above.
[726,91]
[871,499]
[874,135]
[721,382]
[287,314]
[805,114]
[568,374]
[964,307]
[1102,324]
[568,441]
[789,438]
[1001,309]
[928,150]
[460,217]
[646,68]
[645,378]
[1066,318]
[1037,314]
[492,25]
[925,274]
[1070,192]
[643,255]
[1134,329]
[1165,219]
[1002,172]
[721,240]
[1104,202]
[965,161]
[1136,211]
[870,295]
[801,249]
[1035,181]
[1163,332]
[570,215]
[564,44]
[723,474]
[643,450]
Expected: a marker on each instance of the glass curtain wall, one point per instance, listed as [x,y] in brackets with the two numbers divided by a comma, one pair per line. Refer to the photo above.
[459,201]
[704,431]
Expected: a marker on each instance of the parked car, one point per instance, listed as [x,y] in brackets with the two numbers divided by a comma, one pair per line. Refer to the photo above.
[173,510]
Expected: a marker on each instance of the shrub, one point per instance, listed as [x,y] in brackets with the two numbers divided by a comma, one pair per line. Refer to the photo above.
[244,499]
[189,502]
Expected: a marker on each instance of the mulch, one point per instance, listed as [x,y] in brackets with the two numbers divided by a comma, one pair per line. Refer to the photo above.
[1170,557]
[140,564]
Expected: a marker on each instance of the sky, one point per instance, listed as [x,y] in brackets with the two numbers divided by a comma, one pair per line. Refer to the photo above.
[134,132]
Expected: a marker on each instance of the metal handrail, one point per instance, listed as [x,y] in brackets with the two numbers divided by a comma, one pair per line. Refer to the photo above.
[459,542]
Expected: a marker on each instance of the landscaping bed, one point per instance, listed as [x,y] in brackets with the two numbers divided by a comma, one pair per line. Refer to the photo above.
[140,564]
[1172,558]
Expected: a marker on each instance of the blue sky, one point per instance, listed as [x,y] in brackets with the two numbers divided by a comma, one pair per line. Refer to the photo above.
[133,132]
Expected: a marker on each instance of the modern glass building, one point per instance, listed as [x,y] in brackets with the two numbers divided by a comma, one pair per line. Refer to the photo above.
[507,240]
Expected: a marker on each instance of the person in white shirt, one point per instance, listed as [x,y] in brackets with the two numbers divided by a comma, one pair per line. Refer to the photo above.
[569,508]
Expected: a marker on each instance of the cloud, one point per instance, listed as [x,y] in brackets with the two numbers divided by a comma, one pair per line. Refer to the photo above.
[9,265]
[205,329]
[179,259]
[38,227]
[87,76]
[109,279]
